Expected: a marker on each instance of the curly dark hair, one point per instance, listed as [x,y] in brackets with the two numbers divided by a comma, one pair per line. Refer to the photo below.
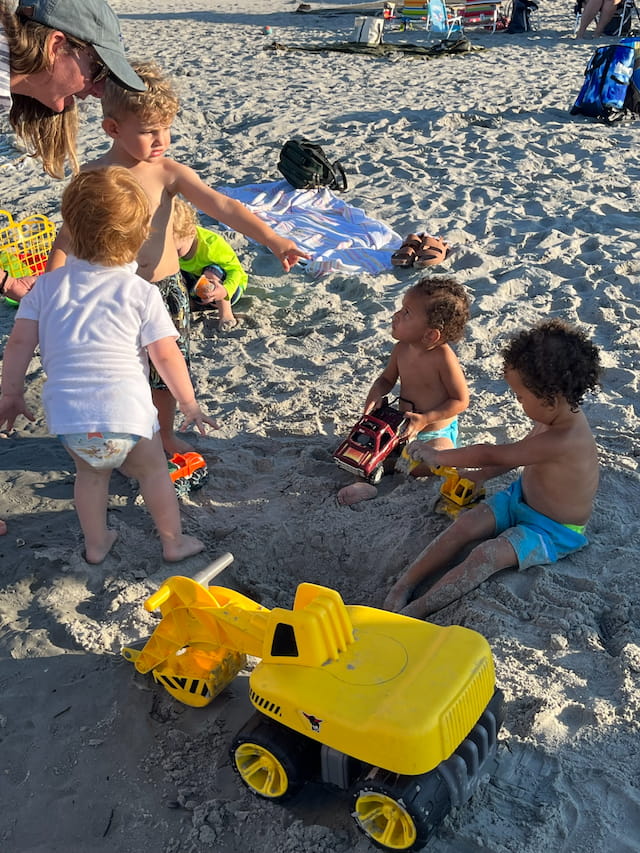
[446,306]
[555,359]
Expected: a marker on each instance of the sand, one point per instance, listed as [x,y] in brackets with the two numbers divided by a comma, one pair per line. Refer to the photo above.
[541,211]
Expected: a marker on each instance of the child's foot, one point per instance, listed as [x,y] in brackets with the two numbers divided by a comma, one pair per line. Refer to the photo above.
[181,548]
[355,493]
[397,598]
[417,609]
[172,445]
[95,554]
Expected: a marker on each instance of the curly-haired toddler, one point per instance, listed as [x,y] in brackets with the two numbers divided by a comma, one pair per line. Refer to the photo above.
[541,517]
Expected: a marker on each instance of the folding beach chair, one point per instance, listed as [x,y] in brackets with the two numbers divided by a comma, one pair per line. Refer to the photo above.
[431,15]
[487,14]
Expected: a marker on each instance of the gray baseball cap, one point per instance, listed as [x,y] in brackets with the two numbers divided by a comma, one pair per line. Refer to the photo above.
[91,21]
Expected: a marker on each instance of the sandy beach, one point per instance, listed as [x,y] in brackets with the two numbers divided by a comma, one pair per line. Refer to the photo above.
[541,211]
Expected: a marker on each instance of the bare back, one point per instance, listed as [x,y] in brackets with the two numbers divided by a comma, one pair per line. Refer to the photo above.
[430,379]
[564,487]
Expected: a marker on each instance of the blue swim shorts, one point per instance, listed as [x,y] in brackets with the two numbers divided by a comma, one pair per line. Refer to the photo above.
[537,539]
[101,449]
[450,432]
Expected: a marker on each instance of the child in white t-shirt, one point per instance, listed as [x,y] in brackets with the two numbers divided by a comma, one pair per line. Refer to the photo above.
[97,324]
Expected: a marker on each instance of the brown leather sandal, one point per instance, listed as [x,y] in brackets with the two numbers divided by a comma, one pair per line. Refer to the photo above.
[432,250]
[407,253]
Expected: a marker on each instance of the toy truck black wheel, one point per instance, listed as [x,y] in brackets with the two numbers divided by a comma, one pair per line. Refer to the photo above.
[273,761]
[376,475]
[400,812]
[198,478]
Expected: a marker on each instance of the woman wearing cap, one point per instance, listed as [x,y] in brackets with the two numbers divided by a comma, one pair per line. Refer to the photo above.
[52,52]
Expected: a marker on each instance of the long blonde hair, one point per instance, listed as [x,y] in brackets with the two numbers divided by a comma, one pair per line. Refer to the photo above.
[48,135]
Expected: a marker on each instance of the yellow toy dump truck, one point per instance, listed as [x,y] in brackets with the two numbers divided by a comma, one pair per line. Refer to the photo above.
[402,713]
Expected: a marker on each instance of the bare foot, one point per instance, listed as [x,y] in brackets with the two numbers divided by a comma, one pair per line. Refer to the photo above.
[95,554]
[181,548]
[355,493]
[397,597]
[172,444]
[416,608]
[227,325]
[3,528]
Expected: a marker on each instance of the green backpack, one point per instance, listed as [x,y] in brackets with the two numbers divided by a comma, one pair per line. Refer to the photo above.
[305,166]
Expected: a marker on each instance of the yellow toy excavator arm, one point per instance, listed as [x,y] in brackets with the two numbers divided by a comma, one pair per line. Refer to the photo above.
[218,618]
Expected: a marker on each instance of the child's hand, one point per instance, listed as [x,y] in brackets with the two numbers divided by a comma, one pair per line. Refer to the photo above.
[10,408]
[372,403]
[16,288]
[288,253]
[213,291]
[423,452]
[415,423]
[193,415]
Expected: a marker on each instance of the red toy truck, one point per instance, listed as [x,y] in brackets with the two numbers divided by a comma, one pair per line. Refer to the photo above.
[370,442]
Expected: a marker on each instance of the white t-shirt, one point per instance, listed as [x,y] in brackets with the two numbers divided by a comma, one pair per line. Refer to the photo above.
[94,323]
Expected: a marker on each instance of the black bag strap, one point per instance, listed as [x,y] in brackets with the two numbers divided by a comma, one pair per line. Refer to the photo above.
[339,180]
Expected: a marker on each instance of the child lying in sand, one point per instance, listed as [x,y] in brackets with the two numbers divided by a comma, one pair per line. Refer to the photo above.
[199,251]
[541,517]
[433,390]
[95,321]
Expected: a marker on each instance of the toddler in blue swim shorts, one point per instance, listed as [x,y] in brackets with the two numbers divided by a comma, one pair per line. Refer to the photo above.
[542,516]
[433,390]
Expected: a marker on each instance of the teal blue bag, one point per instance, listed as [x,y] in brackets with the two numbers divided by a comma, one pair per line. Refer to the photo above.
[607,79]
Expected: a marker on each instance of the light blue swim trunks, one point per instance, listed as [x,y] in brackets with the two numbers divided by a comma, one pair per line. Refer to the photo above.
[537,539]
[450,432]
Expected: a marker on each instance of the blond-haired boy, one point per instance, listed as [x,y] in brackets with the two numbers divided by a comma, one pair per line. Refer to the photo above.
[96,324]
[139,123]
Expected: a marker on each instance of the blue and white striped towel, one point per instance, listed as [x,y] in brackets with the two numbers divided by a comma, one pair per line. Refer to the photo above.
[341,238]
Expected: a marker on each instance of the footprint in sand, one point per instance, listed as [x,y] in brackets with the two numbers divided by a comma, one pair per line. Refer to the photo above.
[355,493]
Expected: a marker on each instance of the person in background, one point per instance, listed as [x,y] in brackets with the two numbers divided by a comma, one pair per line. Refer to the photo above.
[606,9]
